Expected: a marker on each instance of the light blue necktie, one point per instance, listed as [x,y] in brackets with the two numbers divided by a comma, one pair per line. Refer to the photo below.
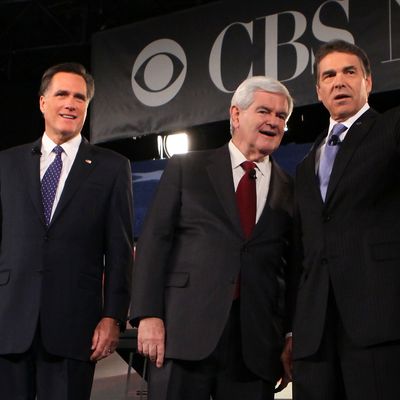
[328,157]
[50,182]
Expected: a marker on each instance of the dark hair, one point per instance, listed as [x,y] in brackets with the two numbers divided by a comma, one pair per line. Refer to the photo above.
[70,67]
[341,46]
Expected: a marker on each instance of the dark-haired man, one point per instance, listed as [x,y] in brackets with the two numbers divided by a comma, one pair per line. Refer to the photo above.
[346,333]
[66,249]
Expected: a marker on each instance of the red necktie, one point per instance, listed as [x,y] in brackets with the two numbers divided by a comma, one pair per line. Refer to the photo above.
[246,198]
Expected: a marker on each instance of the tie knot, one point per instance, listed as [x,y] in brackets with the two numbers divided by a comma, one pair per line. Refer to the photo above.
[337,129]
[58,150]
[248,165]
[334,140]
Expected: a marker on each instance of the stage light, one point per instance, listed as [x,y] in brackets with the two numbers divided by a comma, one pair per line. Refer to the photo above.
[175,143]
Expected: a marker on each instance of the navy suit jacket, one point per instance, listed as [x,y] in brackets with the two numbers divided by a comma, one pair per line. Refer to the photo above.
[71,274]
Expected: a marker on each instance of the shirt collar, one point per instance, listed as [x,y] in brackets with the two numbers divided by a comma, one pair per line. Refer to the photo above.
[350,121]
[70,147]
[237,158]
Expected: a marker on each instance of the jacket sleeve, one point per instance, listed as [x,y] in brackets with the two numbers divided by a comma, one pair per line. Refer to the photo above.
[155,244]
[119,246]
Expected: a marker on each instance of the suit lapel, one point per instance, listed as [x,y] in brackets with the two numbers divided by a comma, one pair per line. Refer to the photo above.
[30,170]
[309,166]
[277,187]
[277,190]
[83,165]
[219,170]
[350,144]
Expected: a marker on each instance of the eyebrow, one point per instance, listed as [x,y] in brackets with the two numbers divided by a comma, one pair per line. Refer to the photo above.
[333,71]
[349,67]
[283,113]
[78,95]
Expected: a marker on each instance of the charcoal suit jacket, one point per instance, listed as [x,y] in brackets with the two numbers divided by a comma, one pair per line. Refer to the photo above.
[351,242]
[191,251]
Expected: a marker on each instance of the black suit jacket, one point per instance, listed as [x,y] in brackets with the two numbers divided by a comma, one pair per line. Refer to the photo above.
[55,275]
[352,241]
[191,251]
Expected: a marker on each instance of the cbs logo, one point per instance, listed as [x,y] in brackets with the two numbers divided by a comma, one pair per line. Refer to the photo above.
[159,72]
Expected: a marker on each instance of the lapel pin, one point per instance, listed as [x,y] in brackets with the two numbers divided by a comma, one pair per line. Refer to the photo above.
[88,161]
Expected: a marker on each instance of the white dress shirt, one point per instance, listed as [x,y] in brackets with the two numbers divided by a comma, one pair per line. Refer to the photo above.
[263,175]
[70,148]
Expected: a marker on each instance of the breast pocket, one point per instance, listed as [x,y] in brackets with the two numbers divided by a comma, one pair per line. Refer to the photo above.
[4,277]
[177,279]
[385,251]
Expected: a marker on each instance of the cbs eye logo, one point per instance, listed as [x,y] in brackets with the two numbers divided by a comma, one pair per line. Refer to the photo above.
[159,72]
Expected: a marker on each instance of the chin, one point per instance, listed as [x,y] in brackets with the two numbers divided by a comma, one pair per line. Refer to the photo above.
[66,135]
[267,152]
[342,116]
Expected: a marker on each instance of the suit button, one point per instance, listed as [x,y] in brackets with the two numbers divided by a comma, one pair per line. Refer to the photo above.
[324,261]
[244,249]
[327,218]
[46,238]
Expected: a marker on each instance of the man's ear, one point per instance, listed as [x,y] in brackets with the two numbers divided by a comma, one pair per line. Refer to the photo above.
[234,113]
[41,103]
[317,90]
[368,83]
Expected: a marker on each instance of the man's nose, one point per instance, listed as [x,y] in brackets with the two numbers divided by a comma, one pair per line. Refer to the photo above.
[70,105]
[272,120]
[338,80]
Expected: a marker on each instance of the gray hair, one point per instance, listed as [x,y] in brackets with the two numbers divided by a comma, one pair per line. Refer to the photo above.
[244,94]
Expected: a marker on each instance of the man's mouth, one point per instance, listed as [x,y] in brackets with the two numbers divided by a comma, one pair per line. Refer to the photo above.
[267,133]
[341,96]
[68,116]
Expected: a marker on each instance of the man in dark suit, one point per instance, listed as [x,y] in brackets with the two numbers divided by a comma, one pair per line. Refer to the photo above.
[208,289]
[66,249]
[346,333]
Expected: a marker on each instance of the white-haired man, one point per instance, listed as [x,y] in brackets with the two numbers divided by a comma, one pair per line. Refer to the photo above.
[209,282]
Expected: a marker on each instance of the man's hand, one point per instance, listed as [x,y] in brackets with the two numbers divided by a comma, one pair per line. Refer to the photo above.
[151,340]
[286,358]
[105,338]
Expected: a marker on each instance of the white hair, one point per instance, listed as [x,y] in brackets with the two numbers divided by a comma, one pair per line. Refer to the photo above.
[244,94]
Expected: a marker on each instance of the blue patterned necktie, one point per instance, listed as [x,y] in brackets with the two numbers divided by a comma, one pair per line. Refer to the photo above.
[328,157]
[50,182]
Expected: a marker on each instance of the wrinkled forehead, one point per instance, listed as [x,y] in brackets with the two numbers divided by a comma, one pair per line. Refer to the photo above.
[339,60]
